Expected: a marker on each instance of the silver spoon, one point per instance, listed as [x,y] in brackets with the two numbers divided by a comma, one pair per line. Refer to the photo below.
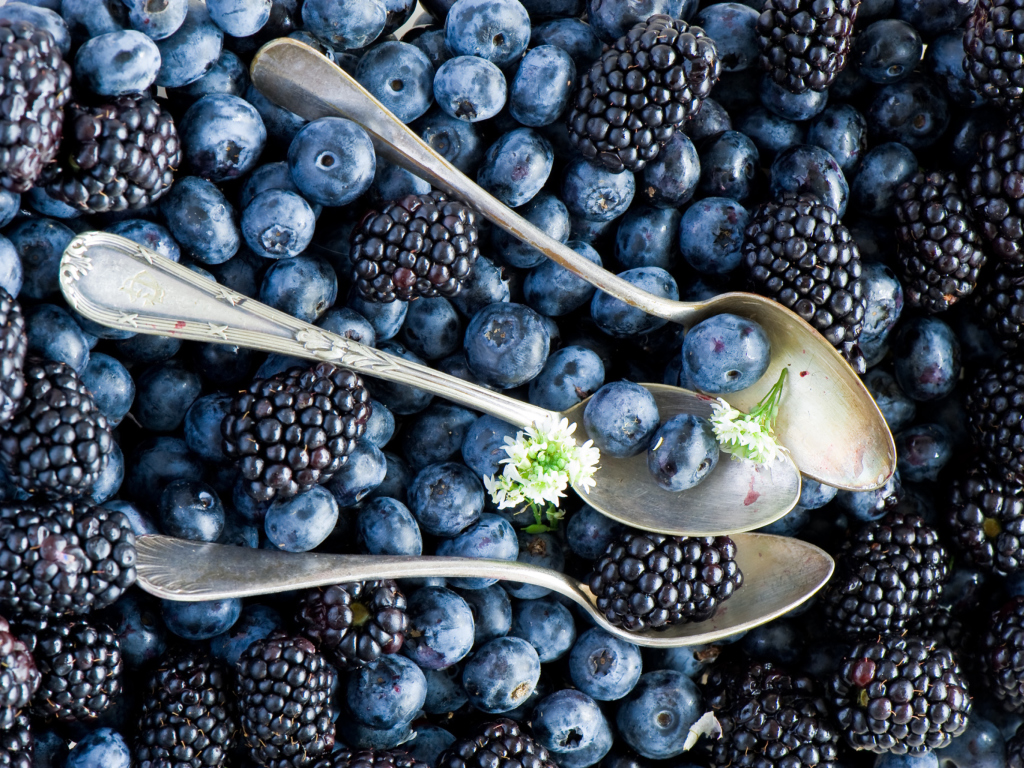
[117,283]
[779,573]
[831,426]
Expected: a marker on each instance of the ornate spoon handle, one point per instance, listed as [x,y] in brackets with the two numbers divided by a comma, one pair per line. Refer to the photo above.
[120,284]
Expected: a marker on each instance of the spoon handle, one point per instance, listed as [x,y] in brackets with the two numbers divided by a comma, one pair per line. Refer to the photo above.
[306,82]
[117,283]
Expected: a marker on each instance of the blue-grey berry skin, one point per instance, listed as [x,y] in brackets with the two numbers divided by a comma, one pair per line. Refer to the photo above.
[617,318]
[118,63]
[897,409]
[400,76]
[883,295]
[53,334]
[111,385]
[611,19]
[281,124]
[770,133]
[810,170]
[40,244]
[671,178]
[380,427]
[841,131]
[431,328]
[165,393]
[256,623]
[728,166]
[201,620]
[506,344]
[546,624]
[446,499]
[202,220]
[387,692]
[86,19]
[589,533]
[501,674]
[240,18]
[725,353]
[516,166]
[149,235]
[192,50]
[228,76]
[553,291]
[42,17]
[495,30]
[566,721]
[603,666]
[620,418]
[157,20]
[345,24]
[927,358]
[303,287]
[202,423]
[470,88]
[492,612]
[542,86]
[456,140]
[886,51]
[814,495]
[733,27]
[922,451]
[401,399]
[656,715]
[491,537]
[440,628]
[444,690]
[436,434]
[879,175]
[646,237]
[711,235]
[791,106]
[332,161]
[302,522]
[544,211]
[191,511]
[683,452]
[387,527]
[574,36]
[570,375]
[364,471]
[101,748]
[482,449]
[222,137]
[278,224]
[594,192]
[944,60]
[914,112]
[265,178]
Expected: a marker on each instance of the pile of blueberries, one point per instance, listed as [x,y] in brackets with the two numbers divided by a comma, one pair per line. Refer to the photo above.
[487,83]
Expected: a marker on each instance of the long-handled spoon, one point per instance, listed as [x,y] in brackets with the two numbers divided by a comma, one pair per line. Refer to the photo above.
[119,284]
[779,573]
[831,426]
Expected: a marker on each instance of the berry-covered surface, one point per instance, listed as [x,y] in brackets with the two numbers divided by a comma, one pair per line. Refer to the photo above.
[861,163]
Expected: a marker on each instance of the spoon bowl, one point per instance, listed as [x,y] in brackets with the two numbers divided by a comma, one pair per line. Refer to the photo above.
[779,573]
[829,422]
[120,284]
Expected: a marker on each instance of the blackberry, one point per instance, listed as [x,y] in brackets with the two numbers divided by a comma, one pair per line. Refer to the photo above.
[1001,655]
[939,251]
[62,558]
[986,517]
[499,744]
[634,98]
[888,573]
[769,718]
[798,253]
[19,678]
[804,43]
[116,156]
[1015,749]
[355,623]
[16,746]
[187,716]
[80,664]
[1001,306]
[59,442]
[994,48]
[35,84]
[904,695]
[369,758]
[418,246]
[296,429]
[284,688]
[995,189]
[13,346]
[994,404]
[646,580]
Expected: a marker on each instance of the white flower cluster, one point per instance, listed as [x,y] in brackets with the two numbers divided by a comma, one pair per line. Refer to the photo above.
[743,434]
[542,462]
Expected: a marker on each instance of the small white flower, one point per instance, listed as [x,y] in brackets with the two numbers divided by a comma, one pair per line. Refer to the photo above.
[749,435]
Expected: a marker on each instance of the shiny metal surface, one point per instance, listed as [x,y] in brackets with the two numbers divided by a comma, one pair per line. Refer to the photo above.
[120,284]
[779,573]
[830,424]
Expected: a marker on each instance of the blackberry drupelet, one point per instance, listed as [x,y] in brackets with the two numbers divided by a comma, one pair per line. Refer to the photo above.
[1001,305]
[418,246]
[900,694]
[296,429]
[1015,749]
[59,442]
[994,403]
[16,745]
[187,716]
[355,623]
[995,189]
[1001,655]
[500,744]
[798,253]
[80,664]
[994,48]
[769,718]
[804,43]
[62,558]
[35,84]
[640,92]
[284,687]
[13,346]
[889,572]
[646,580]
[369,758]
[19,678]
[986,517]
[116,156]
[939,251]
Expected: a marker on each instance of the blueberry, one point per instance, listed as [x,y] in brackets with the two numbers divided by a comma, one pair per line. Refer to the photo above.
[807,169]
[777,642]
[282,126]
[202,220]
[495,30]
[344,24]
[865,506]
[429,743]
[202,425]
[402,399]
[486,285]
[483,445]
[444,691]
[387,692]
[603,666]
[386,527]
[922,451]
[881,171]
[362,736]
[501,675]
[40,243]
[841,131]
[86,19]
[590,755]
[490,537]
[770,133]
[165,393]
[927,760]
[149,235]
[689,660]
[682,452]
[222,137]
[139,629]
[566,721]
[572,35]
[430,41]
[201,620]
[611,19]
[927,358]
[506,344]
[303,287]
[256,623]
[789,106]
[391,182]
[350,324]
[240,18]
[620,418]
[711,235]
[981,745]
[10,204]
[332,161]
[814,495]
[54,335]
[446,498]
[158,20]
[191,50]
[542,86]
[546,624]
[118,63]
[431,329]
[470,88]
[646,237]
[191,510]
[553,291]
[914,112]
[884,301]
[385,319]
[397,477]
[278,224]
[380,427]
[944,61]
[492,612]
[570,375]
[589,533]
[733,27]
[725,353]
[728,165]
[399,76]
[593,192]
[440,628]
[617,318]
[101,748]
[887,51]
[456,140]
[302,522]
[711,120]
[42,17]
[540,549]
[359,475]
[516,166]
[222,364]
[436,434]
[671,178]
[656,715]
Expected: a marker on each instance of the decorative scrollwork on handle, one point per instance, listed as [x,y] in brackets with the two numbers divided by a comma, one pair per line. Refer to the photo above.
[75,264]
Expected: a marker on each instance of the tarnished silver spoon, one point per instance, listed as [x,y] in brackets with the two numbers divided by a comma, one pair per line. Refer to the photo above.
[828,421]
[117,283]
[779,573]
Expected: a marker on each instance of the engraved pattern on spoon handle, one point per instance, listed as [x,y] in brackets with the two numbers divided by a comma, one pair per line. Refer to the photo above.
[304,81]
[120,284]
